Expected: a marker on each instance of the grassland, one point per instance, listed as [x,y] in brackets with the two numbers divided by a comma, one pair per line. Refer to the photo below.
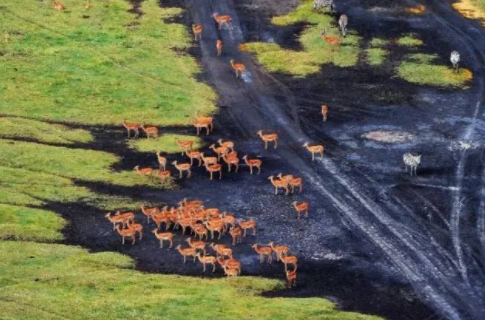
[472,9]
[165,143]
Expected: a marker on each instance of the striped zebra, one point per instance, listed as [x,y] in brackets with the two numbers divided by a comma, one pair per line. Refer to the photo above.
[343,21]
[455,60]
[320,4]
[412,162]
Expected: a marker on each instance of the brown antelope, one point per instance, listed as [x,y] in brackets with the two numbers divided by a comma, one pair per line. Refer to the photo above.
[184,224]
[162,161]
[235,233]
[289,260]
[163,236]
[228,144]
[250,224]
[124,233]
[202,124]
[136,227]
[221,250]
[197,245]
[181,167]
[163,175]
[219,47]
[230,161]
[144,171]
[293,182]
[333,41]
[229,263]
[120,218]
[263,251]
[201,231]
[279,250]
[220,151]
[230,272]
[185,145]
[324,111]
[197,29]
[159,219]
[149,212]
[301,207]
[229,221]
[224,19]
[187,252]
[279,183]
[208,160]
[194,155]
[208,119]
[58,5]
[231,154]
[269,137]
[256,163]
[238,68]
[132,126]
[150,131]
[211,168]
[215,226]
[291,278]
[207,260]
[315,149]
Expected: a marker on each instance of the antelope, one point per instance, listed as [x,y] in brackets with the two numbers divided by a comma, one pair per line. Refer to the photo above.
[230,272]
[224,19]
[228,144]
[163,175]
[263,251]
[194,155]
[162,161]
[229,263]
[270,137]
[120,218]
[324,111]
[279,250]
[333,41]
[149,212]
[279,183]
[192,203]
[411,162]
[301,207]
[202,124]
[187,252]
[136,227]
[229,220]
[197,29]
[159,219]
[455,60]
[291,278]
[314,149]
[238,68]
[181,167]
[208,119]
[211,168]
[201,231]
[219,47]
[132,126]
[207,260]
[253,163]
[250,224]
[230,162]
[185,145]
[220,151]
[126,233]
[150,131]
[215,227]
[197,245]
[58,5]
[144,171]
[289,260]
[231,154]
[184,224]
[293,182]
[343,21]
[88,5]
[221,250]
[163,236]
[235,233]
[208,160]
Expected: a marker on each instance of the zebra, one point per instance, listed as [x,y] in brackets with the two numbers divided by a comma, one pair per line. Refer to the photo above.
[455,60]
[342,22]
[412,162]
[320,4]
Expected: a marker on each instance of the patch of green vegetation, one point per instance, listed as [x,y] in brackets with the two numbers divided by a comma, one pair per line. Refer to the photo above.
[409,40]
[378,43]
[111,66]
[375,56]
[165,143]
[19,128]
[316,52]
[22,223]
[420,69]
[45,281]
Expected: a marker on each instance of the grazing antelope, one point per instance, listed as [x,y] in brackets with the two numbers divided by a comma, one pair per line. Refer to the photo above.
[144,171]
[221,250]
[343,21]
[163,236]
[455,60]
[291,278]
[149,212]
[333,41]
[197,29]
[187,252]
[230,161]
[219,47]
[239,68]
[279,183]
[58,5]
[220,151]
[150,131]
[163,175]
[250,224]
[228,144]
[263,251]
[314,149]
[279,250]
[119,218]
[202,124]
[162,161]
[269,137]
[208,160]
[289,260]
[197,245]
[235,233]
[324,111]
[194,155]
[124,233]
[411,162]
[185,145]
[230,272]
[181,167]
[132,126]
[224,19]
[207,260]
[301,207]
[293,182]
[253,163]
[211,168]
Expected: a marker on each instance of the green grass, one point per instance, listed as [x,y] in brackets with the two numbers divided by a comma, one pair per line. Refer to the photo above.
[409,40]
[165,143]
[40,281]
[101,70]
[19,128]
[375,56]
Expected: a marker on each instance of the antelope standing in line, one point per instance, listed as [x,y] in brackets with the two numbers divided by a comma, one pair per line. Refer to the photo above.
[149,212]
[222,250]
[194,155]
[219,47]
[291,278]
[289,260]
[238,68]
[236,234]
[301,207]
[250,224]
[263,251]
[187,252]
[120,218]
[202,124]
[269,137]
[343,21]
[333,41]
[411,162]
[126,233]
[293,182]
[208,160]
[211,168]
[315,149]
[197,245]
[162,161]
[132,126]
[279,250]
[181,167]
[230,162]
[207,260]
[150,131]
[222,19]
[58,5]
[256,163]
[144,171]
[197,29]
[163,236]
[324,111]
[136,227]
[185,145]
[279,183]
[455,60]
